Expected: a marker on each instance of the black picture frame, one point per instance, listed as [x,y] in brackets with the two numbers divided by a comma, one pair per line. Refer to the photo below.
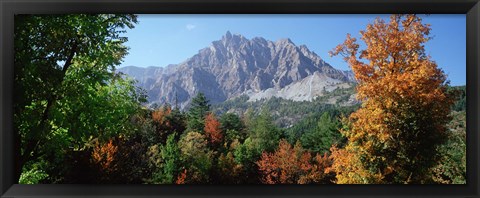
[8,8]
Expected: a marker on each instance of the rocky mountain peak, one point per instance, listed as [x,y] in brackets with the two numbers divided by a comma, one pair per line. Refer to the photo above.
[235,65]
[233,40]
[285,41]
[228,35]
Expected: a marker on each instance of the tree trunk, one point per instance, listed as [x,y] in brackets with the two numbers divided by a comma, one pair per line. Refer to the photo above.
[30,152]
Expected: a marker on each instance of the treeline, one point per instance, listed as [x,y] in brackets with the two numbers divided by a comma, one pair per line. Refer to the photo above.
[170,146]
[308,121]
[287,113]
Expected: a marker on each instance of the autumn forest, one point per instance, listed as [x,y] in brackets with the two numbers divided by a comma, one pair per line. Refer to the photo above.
[79,121]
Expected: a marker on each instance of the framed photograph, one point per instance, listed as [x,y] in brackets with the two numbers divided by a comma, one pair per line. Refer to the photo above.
[239,98]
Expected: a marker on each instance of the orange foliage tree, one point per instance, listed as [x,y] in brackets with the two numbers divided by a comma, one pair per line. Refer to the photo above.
[162,123]
[159,115]
[393,137]
[182,177]
[212,129]
[293,165]
[230,171]
[104,155]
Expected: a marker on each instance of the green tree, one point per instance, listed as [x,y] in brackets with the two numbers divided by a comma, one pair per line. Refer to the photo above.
[263,132]
[171,157]
[246,154]
[324,136]
[232,126]
[145,127]
[196,157]
[177,122]
[34,173]
[461,100]
[263,136]
[452,168]
[198,110]
[65,84]
[168,165]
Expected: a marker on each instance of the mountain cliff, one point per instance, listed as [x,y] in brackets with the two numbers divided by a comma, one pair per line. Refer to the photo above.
[234,66]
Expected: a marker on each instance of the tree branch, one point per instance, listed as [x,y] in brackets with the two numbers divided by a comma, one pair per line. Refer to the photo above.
[68,62]
[39,136]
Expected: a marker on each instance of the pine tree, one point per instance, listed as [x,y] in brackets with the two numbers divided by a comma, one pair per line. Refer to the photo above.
[171,160]
[232,127]
[324,136]
[196,115]
[177,122]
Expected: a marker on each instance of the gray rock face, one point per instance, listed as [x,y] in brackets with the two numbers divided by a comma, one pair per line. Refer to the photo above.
[233,66]
[350,75]
[306,89]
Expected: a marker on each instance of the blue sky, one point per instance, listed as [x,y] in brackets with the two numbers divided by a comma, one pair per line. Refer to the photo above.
[159,40]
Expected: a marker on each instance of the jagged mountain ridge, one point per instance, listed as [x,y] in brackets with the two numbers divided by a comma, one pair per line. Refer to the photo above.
[234,66]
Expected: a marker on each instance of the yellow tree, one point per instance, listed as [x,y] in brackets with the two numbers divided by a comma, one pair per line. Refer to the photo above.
[393,137]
